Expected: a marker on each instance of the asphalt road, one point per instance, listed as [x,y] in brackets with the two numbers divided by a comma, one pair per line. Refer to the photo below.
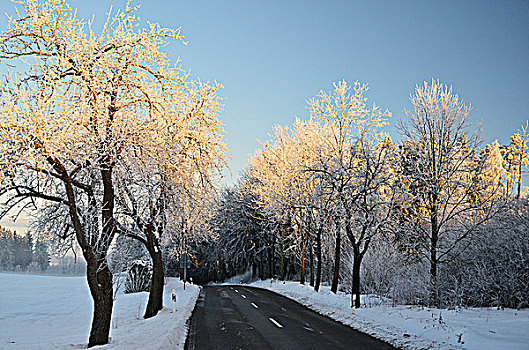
[236,317]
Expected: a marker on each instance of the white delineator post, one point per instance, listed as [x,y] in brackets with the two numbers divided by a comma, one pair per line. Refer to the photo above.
[173,297]
[353,300]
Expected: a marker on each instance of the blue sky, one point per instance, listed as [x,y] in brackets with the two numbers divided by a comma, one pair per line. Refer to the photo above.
[272,56]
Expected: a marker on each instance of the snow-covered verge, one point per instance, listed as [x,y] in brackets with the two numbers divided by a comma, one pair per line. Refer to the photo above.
[48,312]
[244,278]
[415,327]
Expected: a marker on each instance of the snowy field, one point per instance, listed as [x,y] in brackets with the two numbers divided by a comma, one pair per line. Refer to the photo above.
[47,312]
[414,327]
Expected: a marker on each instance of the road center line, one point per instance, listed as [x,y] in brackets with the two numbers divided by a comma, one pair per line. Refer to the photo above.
[275,322]
[242,295]
[236,291]
[255,306]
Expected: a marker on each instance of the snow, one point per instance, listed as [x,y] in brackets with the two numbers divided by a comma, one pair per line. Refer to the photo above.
[415,327]
[48,312]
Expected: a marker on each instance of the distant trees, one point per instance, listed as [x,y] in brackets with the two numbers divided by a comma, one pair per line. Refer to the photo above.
[20,252]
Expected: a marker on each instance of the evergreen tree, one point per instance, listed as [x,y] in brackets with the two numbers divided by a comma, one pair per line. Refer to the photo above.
[40,254]
[6,249]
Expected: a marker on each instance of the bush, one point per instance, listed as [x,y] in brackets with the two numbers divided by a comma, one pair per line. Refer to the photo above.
[138,277]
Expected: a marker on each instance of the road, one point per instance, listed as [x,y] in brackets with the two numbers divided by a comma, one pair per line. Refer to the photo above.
[237,317]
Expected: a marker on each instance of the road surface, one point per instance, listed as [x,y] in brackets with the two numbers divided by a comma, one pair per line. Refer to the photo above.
[237,317]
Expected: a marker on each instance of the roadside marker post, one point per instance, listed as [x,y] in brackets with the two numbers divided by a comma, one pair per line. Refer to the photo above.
[353,300]
[185,263]
[173,298]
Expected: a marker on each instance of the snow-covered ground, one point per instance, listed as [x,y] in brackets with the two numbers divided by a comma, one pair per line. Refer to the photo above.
[414,327]
[47,312]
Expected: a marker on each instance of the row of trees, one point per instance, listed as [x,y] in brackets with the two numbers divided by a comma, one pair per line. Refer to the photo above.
[22,252]
[105,140]
[324,191]
[102,136]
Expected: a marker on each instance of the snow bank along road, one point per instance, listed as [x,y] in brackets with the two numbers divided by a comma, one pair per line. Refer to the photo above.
[236,317]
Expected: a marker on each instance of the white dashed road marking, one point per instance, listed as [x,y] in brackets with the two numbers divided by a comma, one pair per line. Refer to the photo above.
[275,322]
[242,295]
[236,291]
[255,306]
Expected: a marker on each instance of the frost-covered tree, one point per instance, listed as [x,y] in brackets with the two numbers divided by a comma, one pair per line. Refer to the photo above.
[445,198]
[287,192]
[355,170]
[69,120]
[40,254]
[239,233]
[161,176]
[494,173]
[516,155]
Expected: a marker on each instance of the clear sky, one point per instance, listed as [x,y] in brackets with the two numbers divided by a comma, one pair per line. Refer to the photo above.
[272,56]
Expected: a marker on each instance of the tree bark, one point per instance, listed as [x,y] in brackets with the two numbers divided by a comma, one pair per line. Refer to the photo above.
[100,285]
[155,301]
[311,257]
[271,265]
[357,261]
[98,275]
[318,256]
[302,279]
[261,272]
[336,275]
[282,266]
[433,258]
[520,161]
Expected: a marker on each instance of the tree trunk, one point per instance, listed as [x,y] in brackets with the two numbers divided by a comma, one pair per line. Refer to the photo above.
[433,259]
[318,256]
[520,162]
[355,291]
[302,280]
[155,301]
[98,273]
[433,278]
[334,286]
[271,264]
[282,266]
[311,266]
[261,272]
[100,285]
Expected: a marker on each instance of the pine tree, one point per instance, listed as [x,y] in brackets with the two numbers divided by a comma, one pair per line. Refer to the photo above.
[6,249]
[40,254]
